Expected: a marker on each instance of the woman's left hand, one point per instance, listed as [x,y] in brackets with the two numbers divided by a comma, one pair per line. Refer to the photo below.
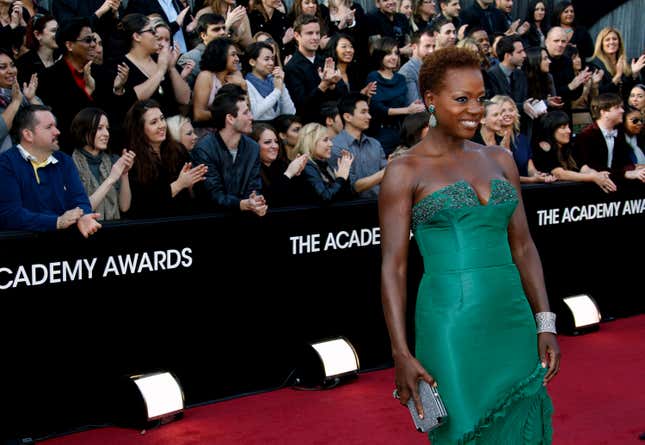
[549,354]
[637,65]
[29,89]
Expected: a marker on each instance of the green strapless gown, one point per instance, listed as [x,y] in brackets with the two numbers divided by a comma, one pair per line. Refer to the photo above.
[475,331]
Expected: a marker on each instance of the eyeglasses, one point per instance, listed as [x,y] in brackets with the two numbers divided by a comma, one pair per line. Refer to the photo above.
[636,120]
[150,30]
[88,40]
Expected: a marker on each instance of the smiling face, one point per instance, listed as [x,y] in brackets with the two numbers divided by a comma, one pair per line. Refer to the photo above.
[633,123]
[102,136]
[308,38]
[344,51]
[562,135]
[268,147]
[187,136]
[83,48]
[361,117]
[610,43]
[405,8]
[459,102]
[47,38]
[8,71]
[322,149]
[481,37]
[232,59]
[508,115]
[154,126]
[539,12]
[264,64]
[387,7]
[391,60]
[493,120]
[568,16]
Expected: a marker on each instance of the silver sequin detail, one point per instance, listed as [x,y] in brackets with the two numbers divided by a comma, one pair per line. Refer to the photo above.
[458,195]
[545,322]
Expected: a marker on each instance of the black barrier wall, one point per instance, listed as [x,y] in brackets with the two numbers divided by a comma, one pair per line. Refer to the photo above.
[225,301]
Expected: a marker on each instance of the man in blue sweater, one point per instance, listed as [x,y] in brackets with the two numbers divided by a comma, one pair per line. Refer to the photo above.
[41,188]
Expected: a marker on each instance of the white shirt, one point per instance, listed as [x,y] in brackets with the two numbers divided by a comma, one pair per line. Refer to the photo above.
[172,14]
[638,151]
[610,136]
[29,157]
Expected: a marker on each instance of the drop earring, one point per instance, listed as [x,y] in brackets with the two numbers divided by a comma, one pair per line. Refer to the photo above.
[433,120]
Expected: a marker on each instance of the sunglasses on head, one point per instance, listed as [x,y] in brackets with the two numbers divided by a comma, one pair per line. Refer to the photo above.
[87,40]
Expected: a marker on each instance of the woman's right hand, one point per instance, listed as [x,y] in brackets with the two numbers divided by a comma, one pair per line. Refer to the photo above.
[344,165]
[408,373]
[296,166]
[416,107]
[604,182]
[189,175]
[16,94]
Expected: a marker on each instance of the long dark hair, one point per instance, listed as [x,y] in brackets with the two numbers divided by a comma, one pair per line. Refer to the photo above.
[333,43]
[148,165]
[540,83]
[530,15]
[37,23]
[84,126]
[559,9]
[549,123]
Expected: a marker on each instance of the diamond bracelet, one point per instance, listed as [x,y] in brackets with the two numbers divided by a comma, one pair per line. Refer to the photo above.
[545,322]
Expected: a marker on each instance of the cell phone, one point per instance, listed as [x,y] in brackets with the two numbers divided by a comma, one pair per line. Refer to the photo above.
[434,411]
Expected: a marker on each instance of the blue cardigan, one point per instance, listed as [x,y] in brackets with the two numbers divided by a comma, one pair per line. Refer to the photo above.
[26,204]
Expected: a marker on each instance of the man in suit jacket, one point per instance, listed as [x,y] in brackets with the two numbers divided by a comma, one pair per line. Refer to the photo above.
[306,86]
[601,146]
[507,78]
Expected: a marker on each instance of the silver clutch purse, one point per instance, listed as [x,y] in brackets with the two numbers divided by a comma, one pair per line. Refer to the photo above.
[434,411]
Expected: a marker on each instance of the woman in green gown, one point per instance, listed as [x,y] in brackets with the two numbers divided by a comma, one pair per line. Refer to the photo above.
[476,335]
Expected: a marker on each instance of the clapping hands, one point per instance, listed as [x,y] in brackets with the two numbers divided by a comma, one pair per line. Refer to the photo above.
[255,203]
[344,164]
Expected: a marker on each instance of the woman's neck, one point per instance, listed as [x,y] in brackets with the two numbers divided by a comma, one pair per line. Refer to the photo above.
[386,72]
[156,148]
[612,58]
[424,16]
[92,150]
[139,53]
[268,10]
[487,134]
[342,67]
[46,54]
[291,152]
[257,74]
[562,25]
[439,143]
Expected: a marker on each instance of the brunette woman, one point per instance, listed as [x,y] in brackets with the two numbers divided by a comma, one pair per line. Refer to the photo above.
[237,20]
[41,41]
[278,185]
[565,17]
[105,178]
[538,19]
[162,178]
[288,127]
[266,16]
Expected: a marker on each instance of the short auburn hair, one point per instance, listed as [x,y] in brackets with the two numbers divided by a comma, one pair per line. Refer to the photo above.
[435,65]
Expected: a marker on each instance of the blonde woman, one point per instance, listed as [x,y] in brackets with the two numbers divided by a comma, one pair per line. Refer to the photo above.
[518,143]
[182,131]
[322,182]
[609,55]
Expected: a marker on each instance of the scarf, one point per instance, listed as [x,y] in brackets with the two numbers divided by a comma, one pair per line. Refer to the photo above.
[86,163]
[264,87]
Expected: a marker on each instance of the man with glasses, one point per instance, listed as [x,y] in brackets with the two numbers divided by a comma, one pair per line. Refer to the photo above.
[68,86]
[209,28]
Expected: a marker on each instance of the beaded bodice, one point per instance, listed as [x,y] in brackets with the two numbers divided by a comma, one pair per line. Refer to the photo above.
[459,195]
[457,232]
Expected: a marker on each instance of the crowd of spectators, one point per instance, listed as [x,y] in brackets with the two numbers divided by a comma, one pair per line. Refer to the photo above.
[117,109]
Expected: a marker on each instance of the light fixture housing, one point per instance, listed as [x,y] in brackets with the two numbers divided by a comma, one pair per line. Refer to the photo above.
[326,363]
[148,400]
[581,315]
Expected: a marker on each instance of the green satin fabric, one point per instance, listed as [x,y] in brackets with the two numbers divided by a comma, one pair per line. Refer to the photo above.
[475,331]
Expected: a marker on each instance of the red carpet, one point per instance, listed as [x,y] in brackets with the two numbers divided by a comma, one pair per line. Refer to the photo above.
[599,398]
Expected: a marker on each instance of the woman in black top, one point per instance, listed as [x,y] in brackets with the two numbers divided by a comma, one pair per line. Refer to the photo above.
[538,20]
[278,185]
[162,178]
[565,17]
[322,182]
[41,41]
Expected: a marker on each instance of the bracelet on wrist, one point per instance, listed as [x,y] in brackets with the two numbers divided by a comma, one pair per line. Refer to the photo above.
[545,322]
